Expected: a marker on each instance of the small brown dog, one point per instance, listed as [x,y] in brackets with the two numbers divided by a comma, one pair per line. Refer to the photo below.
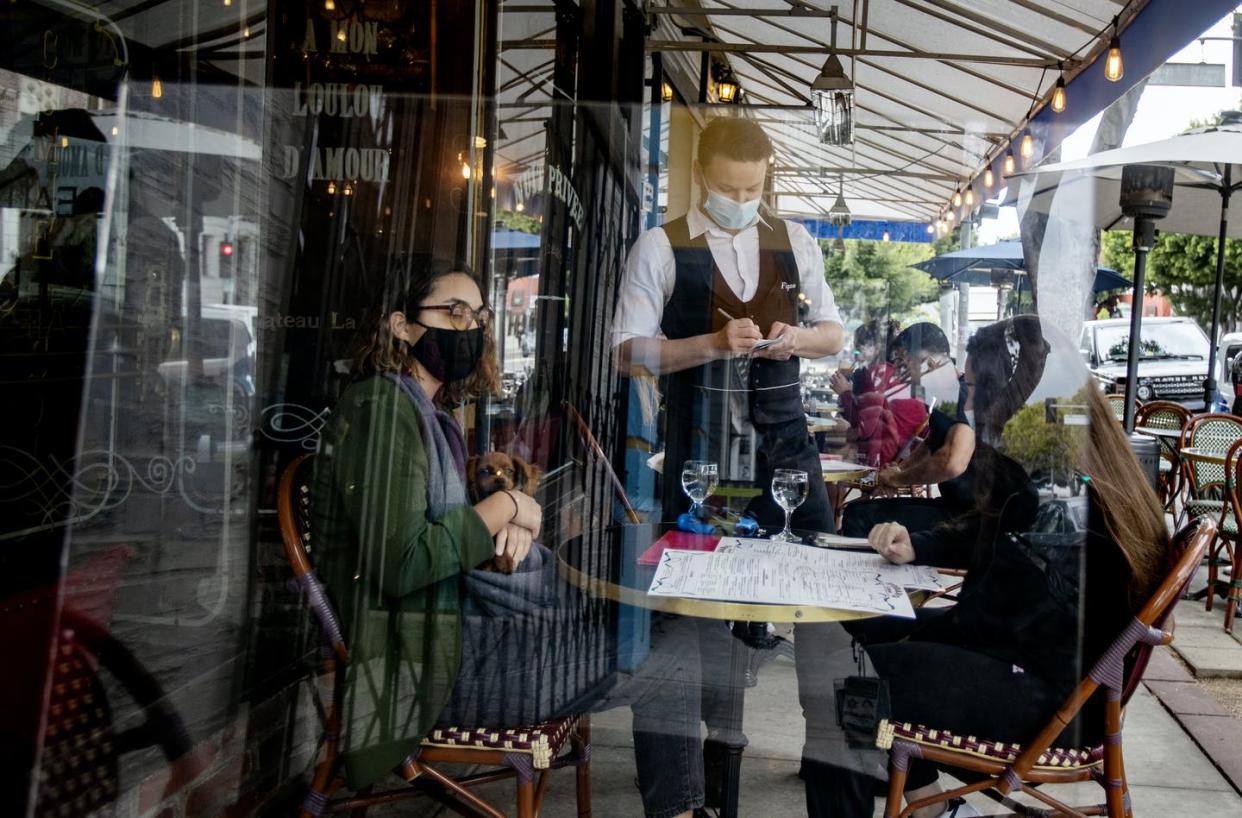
[496,471]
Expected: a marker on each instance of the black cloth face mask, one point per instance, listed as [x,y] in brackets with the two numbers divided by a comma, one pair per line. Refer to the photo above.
[450,355]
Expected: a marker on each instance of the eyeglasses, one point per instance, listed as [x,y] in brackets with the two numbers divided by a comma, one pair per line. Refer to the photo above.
[462,315]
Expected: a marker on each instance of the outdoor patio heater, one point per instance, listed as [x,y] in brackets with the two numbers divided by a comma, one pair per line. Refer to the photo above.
[833,95]
[1146,195]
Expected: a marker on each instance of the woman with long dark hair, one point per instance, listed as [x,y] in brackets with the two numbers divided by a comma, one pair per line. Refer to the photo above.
[1000,661]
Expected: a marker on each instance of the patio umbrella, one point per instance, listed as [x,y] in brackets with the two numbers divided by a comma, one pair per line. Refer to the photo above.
[974,265]
[1207,164]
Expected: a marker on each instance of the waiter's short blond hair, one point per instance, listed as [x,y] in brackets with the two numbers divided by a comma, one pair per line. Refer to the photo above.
[734,138]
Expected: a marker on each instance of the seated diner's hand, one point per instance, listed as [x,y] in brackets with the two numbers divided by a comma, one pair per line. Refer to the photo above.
[736,337]
[786,341]
[510,507]
[892,542]
[512,545]
[839,383]
[529,514]
[890,477]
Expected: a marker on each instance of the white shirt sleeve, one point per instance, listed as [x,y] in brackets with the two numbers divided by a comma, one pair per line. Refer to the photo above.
[646,286]
[810,259]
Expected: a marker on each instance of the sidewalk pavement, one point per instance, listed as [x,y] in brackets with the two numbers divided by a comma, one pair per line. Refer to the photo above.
[1169,773]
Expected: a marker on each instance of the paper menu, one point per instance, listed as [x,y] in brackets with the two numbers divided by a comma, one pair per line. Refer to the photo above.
[919,577]
[742,575]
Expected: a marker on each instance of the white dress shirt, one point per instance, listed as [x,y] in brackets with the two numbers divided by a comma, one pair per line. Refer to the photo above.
[650,273]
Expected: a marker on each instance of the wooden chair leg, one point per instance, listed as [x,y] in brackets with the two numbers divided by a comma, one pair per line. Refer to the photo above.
[580,742]
[361,812]
[526,799]
[1235,585]
[897,765]
[1213,555]
[1114,766]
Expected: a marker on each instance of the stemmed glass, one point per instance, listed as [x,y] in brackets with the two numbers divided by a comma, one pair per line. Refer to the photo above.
[698,480]
[789,487]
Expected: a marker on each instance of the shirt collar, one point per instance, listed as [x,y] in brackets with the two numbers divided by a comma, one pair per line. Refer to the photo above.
[698,223]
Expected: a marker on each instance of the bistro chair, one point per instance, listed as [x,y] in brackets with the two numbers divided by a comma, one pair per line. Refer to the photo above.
[526,753]
[1166,414]
[1227,530]
[1118,404]
[1003,768]
[1206,483]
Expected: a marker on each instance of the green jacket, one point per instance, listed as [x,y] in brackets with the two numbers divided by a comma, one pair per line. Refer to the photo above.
[394,576]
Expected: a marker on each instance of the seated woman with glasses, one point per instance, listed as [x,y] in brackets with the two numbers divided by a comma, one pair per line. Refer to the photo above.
[398,544]
[1032,614]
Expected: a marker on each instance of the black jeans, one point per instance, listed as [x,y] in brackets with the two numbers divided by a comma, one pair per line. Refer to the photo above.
[789,445]
[915,513]
[939,685]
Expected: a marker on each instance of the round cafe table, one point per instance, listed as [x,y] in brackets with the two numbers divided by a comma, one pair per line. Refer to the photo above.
[1202,455]
[618,563]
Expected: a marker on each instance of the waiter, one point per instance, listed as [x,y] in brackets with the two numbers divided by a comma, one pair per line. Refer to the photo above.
[698,294]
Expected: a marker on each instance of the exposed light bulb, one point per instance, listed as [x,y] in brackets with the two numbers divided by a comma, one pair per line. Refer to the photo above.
[886,236]
[520,207]
[465,170]
[349,189]
[1114,65]
[115,130]
[64,141]
[1027,148]
[246,33]
[157,88]
[331,188]
[340,34]
[931,228]
[989,178]
[228,3]
[957,198]
[666,92]
[970,197]
[950,216]
[1010,163]
[1058,95]
[328,5]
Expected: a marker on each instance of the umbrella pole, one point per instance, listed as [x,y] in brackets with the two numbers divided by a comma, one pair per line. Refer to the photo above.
[1144,238]
[1209,386]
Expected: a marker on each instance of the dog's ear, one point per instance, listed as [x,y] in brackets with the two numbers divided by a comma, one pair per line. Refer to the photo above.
[472,489]
[528,475]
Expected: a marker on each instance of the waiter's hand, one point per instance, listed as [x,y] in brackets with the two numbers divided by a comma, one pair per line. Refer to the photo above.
[737,337]
[783,349]
[892,542]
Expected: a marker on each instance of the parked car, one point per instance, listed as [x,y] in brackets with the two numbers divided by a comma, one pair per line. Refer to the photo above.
[1226,353]
[1173,360]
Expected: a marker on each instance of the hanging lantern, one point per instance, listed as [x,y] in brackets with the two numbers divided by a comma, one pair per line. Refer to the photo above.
[832,93]
[839,214]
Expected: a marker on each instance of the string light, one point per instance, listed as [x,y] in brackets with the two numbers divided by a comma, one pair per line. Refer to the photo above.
[115,130]
[520,207]
[666,92]
[340,34]
[1010,163]
[331,188]
[931,228]
[1027,149]
[950,216]
[157,88]
[1058,94]
[465,170]
[349,189]
[64,141]
[328,5]
[1114,65]
[970,197]
[886,237]
[989,178]
[957,198]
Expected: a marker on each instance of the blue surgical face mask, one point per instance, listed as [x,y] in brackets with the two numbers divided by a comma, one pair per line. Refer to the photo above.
[727,213]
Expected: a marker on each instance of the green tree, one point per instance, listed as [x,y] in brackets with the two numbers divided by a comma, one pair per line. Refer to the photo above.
[873,279]
[1184,267]
[519,221]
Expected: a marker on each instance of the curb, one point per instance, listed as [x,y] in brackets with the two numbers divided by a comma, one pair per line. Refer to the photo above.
[1209,725]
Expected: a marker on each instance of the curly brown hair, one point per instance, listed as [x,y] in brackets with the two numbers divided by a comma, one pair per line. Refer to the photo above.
[409,281]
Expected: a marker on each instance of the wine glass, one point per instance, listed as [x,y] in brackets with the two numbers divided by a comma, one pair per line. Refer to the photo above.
[698,480]
[789,487]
